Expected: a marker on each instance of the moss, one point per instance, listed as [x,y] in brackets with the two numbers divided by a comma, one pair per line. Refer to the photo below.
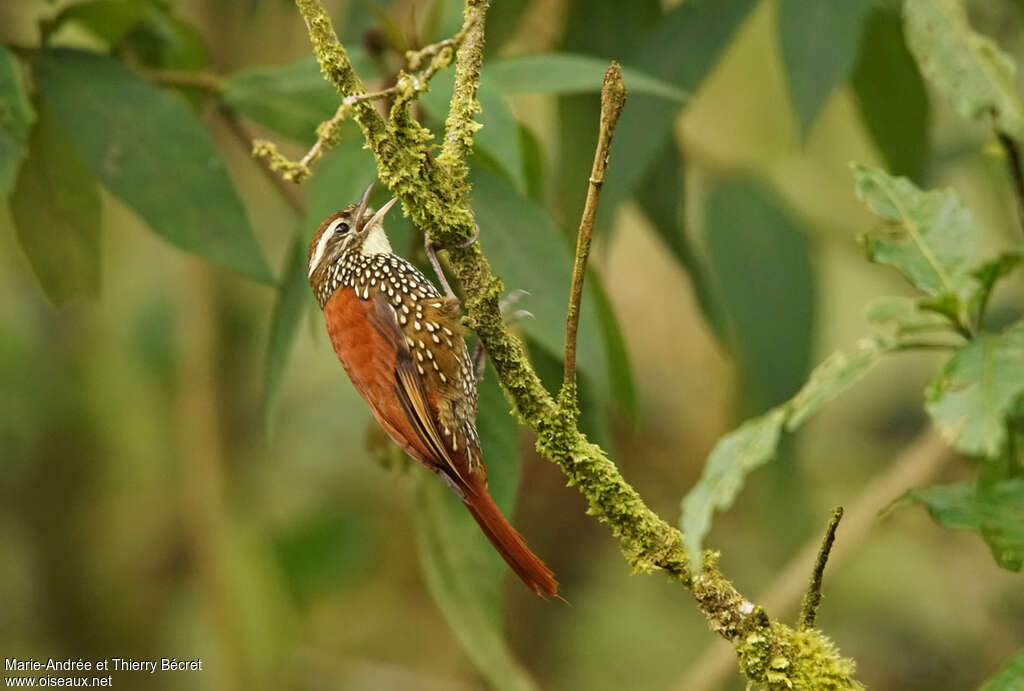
[779,657]
[461,126]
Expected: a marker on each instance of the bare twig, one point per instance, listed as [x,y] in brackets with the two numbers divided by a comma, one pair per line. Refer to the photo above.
[613,99]
[1013,162]
[812,598]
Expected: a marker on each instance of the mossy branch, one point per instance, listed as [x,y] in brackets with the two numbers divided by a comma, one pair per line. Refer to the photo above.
[434,193]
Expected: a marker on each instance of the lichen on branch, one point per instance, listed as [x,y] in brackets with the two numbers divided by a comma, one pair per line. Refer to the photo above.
[434,192]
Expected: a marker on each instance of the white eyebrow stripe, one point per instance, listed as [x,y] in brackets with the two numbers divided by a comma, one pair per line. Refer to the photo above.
[321,246]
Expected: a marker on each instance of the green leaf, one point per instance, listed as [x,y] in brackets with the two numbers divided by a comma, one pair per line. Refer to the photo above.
[735,456]
[153,153]
[529,252]
[837,373]
[662,196]
[620,372]
[503,23]
[997,514]
[987,275]
[1010,677]
[907,315]
[500,133]
[16,118]
[499,440]
[108,20]
[166,41]
[970,397]
[819,43]
[568,73]
[56,210]
[681,49]
[756,442]
[891,96]
[293,295]
[463,571]
[687,42]
[601,29]
[288,99]
[970,69]
[765,287]
[533,163]
[931,238]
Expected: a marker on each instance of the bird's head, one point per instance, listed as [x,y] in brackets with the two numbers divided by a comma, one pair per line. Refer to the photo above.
[357,227]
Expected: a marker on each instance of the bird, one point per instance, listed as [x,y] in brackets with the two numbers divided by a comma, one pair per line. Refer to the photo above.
[402,345]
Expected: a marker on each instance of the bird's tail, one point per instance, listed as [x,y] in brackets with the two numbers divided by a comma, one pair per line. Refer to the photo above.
[509,543]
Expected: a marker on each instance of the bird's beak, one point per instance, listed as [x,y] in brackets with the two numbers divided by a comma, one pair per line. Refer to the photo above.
[362,205]
[377,217]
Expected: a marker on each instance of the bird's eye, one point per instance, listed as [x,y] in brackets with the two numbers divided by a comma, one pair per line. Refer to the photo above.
[338,227]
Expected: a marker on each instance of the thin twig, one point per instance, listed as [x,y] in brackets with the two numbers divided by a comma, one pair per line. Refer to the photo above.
[1016,172]
[414,58]
[327,132]
[206,81]
[812,598]
[613,99]
[407,86]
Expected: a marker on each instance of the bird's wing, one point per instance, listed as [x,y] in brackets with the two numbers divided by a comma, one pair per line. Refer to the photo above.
[411,392]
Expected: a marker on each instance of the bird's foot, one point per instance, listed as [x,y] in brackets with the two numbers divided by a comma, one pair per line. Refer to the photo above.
[510,317]
[431,250]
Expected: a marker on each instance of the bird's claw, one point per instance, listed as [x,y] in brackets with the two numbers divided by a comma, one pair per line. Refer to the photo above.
[432,249]
[509,318]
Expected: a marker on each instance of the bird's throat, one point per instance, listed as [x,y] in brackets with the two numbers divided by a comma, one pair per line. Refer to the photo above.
[376,242]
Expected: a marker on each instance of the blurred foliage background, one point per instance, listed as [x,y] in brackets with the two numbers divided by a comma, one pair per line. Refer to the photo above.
[186,471]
